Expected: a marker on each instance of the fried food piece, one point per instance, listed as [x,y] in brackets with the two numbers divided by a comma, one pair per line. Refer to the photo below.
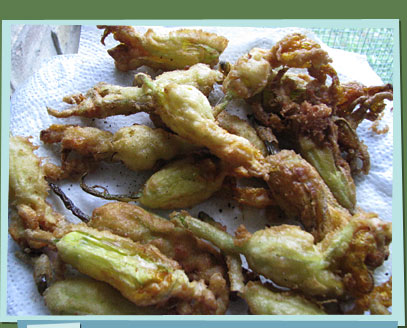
[287,255]
[186,111]
[253,71]
[377,302]
[333,169]
[298,189]
[263,300]
[297,51]
[240,127]
[307,124]
[43,274]
[358,102]
[183,183]
[252,196]
[198,259]
[105,100]
[28,189]
[179,184]
[86,141]
[139,147]
[176,50]
[84,296]
[198,298]
[249,75]
[355,151]
[140,272]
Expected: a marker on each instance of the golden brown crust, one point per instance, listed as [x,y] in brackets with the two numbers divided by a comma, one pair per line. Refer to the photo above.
[177,50]
[198,259]
[296,50]
[28,187]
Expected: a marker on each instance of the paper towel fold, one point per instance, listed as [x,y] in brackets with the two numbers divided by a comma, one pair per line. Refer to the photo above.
[64,75]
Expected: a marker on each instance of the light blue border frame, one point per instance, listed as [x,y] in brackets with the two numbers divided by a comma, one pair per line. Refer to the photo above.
[398,265]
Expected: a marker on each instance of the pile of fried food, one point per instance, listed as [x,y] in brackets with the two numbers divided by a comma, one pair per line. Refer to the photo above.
[299,144]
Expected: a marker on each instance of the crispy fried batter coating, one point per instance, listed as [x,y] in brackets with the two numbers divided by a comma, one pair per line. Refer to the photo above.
[84,296]
[377,302]
[175,50]
[249,75]
[285,254]
[299,190]
[183,183]
[28,188]
[288,255]
[252,72]
[198,259]
[74,241]
[86,141]
[358,102]
[139,147]
[105,100]
[302,112]
[240,127]
[263,300]
[140,272]
[255,197]
[186,111]
[296,50]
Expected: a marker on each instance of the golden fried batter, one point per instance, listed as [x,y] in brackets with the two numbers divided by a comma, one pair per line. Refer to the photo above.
[186,111]
[198,259]
[296,50]
[299,190]
[139,147]
[28,188]
[288,255]
[105,100]
[240,127]
[176,50]
[263,300]
[140,272]
[84,296]
[183,183]
[249,75]
[253,71]
[255,197]
[377,302]
[36,232]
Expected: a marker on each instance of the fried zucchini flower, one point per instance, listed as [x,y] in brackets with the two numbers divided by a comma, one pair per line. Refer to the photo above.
[187,112]
[340,264]
[105,100]
[139,147]
[175,50]
[28,191]
[140,272]
[262,300]
[85,296]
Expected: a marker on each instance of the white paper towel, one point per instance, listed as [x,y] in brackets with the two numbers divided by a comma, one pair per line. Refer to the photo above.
[64,75]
